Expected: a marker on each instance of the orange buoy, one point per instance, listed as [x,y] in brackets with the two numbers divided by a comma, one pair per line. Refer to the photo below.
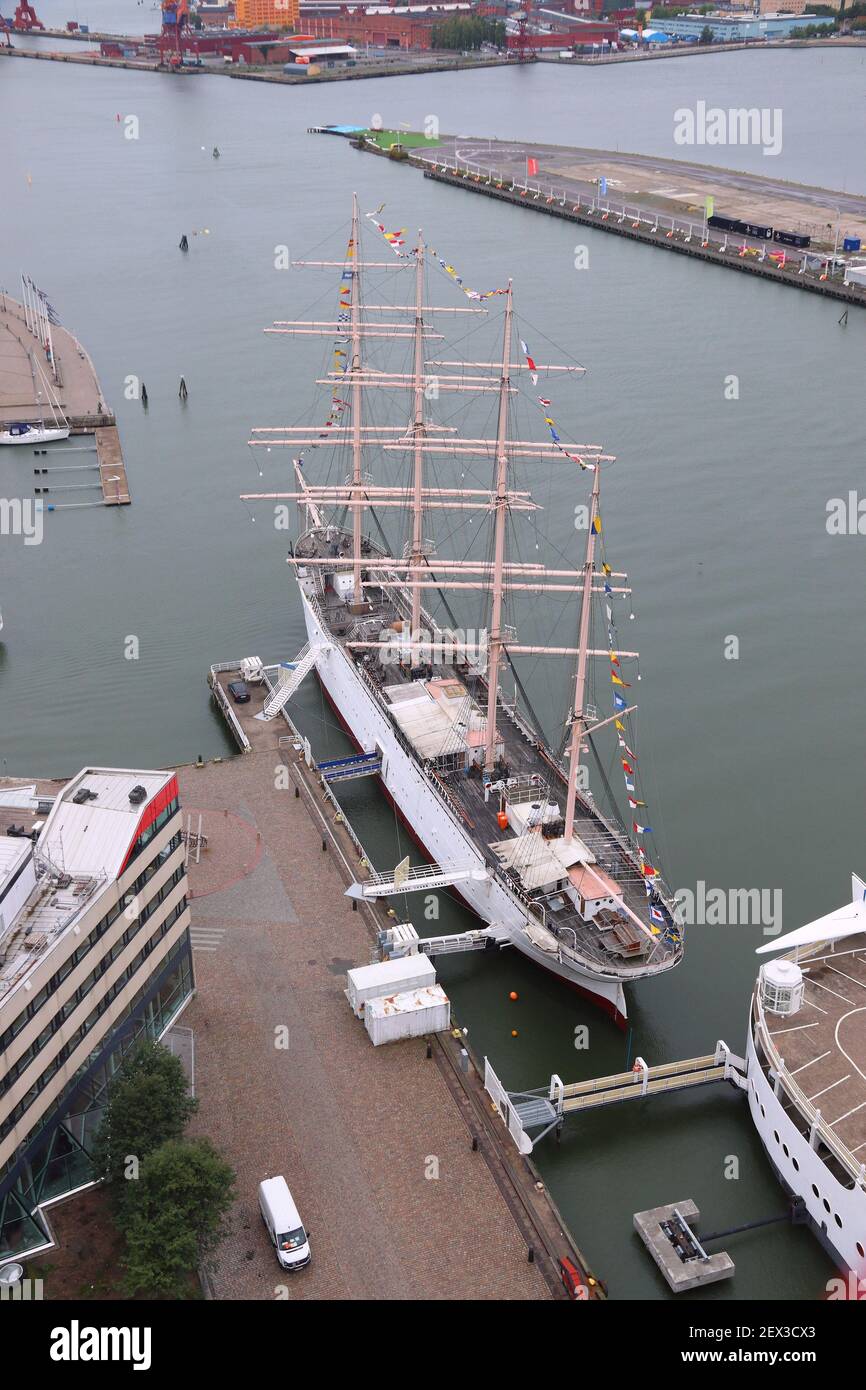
[513,994]
[514,1032]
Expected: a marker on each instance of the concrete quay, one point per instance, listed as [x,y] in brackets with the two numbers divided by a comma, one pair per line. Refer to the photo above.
[376,1143]
[566,186]
[78,393]
[681,1276]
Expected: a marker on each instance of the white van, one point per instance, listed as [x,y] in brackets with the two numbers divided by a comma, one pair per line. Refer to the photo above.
[283,1224]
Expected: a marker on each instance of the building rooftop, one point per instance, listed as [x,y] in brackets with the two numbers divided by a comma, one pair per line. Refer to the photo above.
[437,716]
[51,874]
[96,834]
[321,50]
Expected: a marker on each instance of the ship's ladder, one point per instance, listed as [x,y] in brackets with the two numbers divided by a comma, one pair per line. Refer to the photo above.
[291,675]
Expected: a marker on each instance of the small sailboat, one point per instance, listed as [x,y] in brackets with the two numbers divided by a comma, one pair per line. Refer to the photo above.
[38,431]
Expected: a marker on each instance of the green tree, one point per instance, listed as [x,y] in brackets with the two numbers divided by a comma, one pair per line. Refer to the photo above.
[173,1215]
[148,1103]
[706,35]
[467,32]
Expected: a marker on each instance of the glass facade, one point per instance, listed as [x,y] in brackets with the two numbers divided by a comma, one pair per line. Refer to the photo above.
[55,1157]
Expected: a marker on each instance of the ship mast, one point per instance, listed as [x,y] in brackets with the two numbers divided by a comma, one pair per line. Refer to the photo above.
[501,508]
[357,392]
[578,718]
[417,552]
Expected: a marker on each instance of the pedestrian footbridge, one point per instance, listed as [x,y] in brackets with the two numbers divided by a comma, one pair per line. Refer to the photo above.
[546,1108]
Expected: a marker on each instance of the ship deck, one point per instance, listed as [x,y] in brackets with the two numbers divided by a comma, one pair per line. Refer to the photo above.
[824,1045]
[524,759]
[623,946]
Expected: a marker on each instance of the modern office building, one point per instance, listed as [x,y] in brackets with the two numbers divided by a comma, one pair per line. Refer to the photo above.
[94,955]
[732,28]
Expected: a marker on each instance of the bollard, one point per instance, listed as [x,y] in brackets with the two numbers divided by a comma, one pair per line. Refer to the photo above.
[429,1049]
[324,844]
[297,792]
[530,1256]
[475,1144]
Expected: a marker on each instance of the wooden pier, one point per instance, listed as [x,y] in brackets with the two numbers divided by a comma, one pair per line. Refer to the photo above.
[76,386]
[112,472]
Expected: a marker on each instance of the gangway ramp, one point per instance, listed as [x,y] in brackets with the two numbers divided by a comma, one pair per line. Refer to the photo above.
[347,769]
[643,1081]
[546,1108]
[403,940]
[419,878]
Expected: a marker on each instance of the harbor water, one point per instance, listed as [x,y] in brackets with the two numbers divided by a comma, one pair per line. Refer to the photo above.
[717,508]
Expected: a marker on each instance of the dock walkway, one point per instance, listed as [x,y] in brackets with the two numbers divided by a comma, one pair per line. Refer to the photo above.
[567,186]
[546,1107]
[356,1129]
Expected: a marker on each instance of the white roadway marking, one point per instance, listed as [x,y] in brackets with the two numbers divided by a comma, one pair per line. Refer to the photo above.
[847,1113]
[861,1010]
[831,1086]
[814,1059]
[853,980]
[828,990]
[777,1032]
[811,1004]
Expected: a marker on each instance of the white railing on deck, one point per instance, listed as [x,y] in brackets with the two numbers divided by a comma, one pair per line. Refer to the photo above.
[839,1150]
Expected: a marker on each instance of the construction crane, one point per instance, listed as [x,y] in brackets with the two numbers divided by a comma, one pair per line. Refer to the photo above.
[522,47]
[175,19]
[24,20]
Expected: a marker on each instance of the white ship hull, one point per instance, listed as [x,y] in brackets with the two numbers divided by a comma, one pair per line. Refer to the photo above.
[837,1213]
[433,824]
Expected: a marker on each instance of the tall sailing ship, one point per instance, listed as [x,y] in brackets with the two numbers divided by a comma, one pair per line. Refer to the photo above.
[545,859]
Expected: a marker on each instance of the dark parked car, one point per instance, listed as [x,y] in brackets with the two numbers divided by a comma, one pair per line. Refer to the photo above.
[239,692]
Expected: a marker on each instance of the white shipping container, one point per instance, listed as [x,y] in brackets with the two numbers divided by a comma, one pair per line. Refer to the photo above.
[387,977]
[408,1015]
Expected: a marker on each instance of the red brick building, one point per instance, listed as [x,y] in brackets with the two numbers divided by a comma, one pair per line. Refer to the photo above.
[381,26]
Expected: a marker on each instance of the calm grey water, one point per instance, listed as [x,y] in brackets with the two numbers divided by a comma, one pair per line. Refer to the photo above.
[717,509]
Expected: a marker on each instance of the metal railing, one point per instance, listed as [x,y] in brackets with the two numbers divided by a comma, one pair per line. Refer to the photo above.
[592,957]
[798,1097]
[600,205]
[223,702]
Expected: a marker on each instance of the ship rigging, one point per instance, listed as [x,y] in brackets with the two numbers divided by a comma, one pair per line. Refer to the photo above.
[540,861]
